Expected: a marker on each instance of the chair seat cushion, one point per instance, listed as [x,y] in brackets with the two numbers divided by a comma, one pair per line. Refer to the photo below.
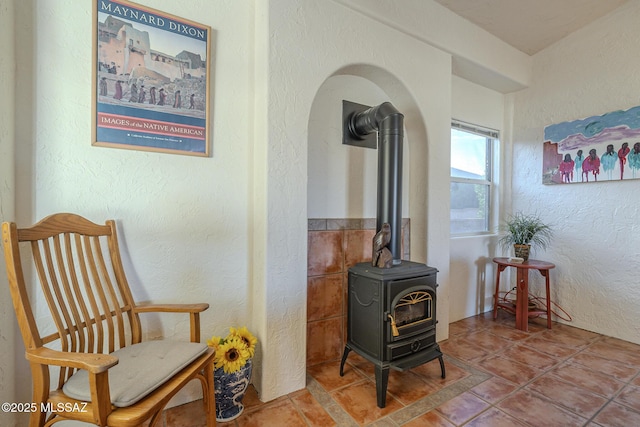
[141,369]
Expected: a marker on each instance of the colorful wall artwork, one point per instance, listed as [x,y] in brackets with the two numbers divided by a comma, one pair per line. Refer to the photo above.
[594,149]
[151,80]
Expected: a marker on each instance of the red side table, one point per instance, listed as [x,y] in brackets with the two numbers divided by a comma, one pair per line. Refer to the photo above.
[521,309]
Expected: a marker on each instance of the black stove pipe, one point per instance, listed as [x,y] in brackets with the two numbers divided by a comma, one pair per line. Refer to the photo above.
[388,121]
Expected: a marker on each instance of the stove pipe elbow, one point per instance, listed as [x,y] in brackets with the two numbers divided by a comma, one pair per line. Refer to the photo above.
[389,123]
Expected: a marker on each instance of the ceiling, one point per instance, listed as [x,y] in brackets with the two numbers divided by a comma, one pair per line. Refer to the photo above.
[531,25]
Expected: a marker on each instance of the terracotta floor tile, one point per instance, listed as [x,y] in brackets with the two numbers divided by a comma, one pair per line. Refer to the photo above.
[431,419]
[458,329]
[494,418]
[312,411]
[432,374]
[530,357]
[361,364]
[616,415]
[568,395]
[630,396]
[328,375]
[189,415]
[275,415]
[536,411]
[507,331]
[462,349]
[510,370]
[621,353]
[494,389]
[359,401]
[496,376]
[487,341]
[462,408]
[562,336]
[576,333]
[407,387]
[588,379]
[606,366]
[251,399]
[550,347]
[620,344]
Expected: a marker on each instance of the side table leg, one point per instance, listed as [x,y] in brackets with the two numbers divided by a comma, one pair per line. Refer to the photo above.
[495,297]
[522,300]
[546,277]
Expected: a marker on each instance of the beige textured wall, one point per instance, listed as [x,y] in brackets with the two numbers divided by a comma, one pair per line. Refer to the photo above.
[8,327]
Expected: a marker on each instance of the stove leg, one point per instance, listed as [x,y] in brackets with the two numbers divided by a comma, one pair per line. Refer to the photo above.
[382,379]
[347,349]
[442,367]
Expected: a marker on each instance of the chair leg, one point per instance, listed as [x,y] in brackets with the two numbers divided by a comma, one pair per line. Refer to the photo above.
[40,375]
[210,399]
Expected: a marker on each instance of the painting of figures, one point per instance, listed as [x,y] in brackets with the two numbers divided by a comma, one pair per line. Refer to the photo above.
[151,80]
[594,149]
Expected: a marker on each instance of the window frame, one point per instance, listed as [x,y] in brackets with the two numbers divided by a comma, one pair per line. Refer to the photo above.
[492,138]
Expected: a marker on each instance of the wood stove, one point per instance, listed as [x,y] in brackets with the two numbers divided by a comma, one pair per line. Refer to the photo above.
[391,319]
[391,311]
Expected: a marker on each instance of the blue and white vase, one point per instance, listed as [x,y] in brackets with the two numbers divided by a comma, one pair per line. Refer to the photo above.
[230,389]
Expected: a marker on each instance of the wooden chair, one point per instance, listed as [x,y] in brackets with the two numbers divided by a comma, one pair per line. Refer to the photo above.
[108,375]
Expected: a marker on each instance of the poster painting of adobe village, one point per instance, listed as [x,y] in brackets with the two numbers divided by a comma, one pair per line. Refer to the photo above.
[594,149]
[151,80]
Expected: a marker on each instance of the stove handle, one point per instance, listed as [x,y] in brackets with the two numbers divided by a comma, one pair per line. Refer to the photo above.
[394,328]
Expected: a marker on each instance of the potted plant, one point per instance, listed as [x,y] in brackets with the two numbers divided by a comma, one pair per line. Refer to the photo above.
[232,371]
[524,232]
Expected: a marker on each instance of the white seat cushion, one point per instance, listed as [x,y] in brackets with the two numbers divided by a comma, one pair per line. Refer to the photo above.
[141,369]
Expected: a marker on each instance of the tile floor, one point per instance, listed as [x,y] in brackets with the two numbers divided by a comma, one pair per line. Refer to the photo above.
[496,376]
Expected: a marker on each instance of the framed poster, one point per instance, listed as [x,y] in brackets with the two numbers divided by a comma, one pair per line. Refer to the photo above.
[151,80]
[593,149]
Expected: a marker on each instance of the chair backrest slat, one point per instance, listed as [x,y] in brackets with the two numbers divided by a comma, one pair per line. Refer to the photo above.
[101,296]
[93,323]
[80,272]
[49,283]
[72,288]
[112,295]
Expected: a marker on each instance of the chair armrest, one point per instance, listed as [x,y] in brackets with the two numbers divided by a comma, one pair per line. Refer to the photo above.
[171,308]
[96,364]
[92,362]
[194,311]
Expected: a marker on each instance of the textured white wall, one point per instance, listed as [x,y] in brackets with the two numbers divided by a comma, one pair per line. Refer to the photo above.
[308,43]
[342,179]
[8,326]
[472,268]
[183,220]
[231,229]
[477,55]
[592,72]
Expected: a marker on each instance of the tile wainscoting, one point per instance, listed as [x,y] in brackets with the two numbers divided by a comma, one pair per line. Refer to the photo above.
[335,245]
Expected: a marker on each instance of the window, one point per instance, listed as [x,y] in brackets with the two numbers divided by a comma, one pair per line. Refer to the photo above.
[471,178]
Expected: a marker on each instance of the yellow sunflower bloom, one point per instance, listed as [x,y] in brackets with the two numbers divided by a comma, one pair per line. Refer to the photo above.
[231,355]
[247,338]
[214,342]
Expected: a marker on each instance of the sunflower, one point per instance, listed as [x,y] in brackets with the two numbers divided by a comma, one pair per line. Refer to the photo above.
[247,337]
[214,342]
[231,355]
